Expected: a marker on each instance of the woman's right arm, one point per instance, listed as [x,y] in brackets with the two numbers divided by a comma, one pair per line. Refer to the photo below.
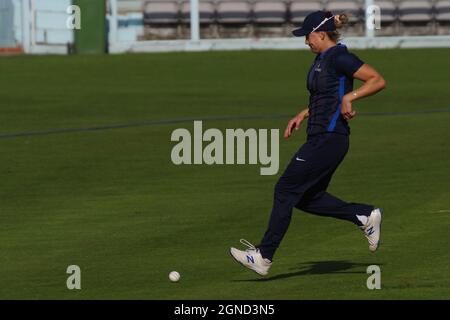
[295,122]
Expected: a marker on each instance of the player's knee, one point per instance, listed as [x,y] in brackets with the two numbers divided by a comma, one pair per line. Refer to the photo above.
[280,187]
[286,192]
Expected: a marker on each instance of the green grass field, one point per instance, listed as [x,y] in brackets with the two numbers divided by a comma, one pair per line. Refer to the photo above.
[112,202]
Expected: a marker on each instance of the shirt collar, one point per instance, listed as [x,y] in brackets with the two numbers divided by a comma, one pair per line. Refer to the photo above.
[322,54]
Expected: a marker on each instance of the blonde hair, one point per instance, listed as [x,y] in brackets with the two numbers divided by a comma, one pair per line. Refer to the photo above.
[339,21]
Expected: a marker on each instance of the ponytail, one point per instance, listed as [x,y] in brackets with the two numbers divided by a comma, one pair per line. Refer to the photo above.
[340,20]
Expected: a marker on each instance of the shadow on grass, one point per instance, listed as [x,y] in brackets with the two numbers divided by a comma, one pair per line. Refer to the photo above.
[318,267]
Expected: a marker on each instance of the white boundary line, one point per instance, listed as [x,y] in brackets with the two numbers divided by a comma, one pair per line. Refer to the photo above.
[256,44]
[276,44]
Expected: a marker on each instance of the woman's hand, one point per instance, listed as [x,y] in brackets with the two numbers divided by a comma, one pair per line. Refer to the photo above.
[293,123]
[347,109]
[373,82]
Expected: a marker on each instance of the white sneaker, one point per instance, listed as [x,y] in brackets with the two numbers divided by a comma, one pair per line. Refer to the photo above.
[372,229]
[251,258]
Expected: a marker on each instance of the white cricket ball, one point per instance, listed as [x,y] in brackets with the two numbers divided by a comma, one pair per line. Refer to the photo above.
[174,276]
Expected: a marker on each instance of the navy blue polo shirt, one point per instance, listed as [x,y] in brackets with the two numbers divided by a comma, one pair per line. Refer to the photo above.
[329,79]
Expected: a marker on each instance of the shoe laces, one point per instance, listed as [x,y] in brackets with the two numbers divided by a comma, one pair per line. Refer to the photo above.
[251,247]
[248,245]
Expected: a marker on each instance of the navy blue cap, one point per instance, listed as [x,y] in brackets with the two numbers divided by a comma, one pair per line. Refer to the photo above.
[316,21]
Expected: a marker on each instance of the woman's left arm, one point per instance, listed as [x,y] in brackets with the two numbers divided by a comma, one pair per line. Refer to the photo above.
[373,82]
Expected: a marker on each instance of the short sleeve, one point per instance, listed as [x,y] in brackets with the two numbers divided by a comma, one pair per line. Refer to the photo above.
[347,64]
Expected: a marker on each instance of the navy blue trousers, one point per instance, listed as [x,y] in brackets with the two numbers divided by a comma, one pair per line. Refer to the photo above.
[303,186]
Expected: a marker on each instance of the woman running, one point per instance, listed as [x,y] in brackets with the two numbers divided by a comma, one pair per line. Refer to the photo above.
[304,183]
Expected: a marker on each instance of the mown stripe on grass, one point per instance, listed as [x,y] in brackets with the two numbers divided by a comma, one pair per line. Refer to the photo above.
[190,119]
